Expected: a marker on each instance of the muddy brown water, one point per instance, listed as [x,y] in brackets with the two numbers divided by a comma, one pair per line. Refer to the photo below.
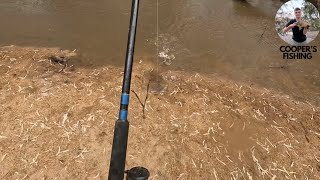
[208,36]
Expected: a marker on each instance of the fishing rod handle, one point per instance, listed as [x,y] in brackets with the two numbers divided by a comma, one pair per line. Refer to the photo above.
[119,150]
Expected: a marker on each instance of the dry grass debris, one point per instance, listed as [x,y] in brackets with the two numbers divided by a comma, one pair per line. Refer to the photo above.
[59,123]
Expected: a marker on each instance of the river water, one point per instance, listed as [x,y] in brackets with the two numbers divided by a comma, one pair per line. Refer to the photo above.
[226,37]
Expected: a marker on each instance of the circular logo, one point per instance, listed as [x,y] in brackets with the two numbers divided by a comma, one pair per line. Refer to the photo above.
[297,22]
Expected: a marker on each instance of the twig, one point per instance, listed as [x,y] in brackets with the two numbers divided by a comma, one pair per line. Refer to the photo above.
[64,67]
[265,28]
[215,174]
[145,100]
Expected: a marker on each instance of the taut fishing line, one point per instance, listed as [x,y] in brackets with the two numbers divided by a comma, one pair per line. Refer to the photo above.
[157,39]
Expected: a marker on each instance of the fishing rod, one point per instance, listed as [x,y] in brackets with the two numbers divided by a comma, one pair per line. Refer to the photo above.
[121,129]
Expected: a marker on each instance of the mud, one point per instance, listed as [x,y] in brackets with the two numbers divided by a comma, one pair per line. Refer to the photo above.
[58,124]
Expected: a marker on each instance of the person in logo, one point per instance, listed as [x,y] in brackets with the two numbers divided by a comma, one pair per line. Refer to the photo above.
[299,28]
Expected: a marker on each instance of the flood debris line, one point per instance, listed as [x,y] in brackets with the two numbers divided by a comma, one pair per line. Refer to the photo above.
[58,124]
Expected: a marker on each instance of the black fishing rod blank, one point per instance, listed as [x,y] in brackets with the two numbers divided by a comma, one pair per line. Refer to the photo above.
[120,138]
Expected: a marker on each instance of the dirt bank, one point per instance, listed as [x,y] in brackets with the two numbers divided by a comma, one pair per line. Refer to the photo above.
[57,122]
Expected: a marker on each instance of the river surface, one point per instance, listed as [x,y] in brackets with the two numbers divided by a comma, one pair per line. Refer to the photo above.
[226,37]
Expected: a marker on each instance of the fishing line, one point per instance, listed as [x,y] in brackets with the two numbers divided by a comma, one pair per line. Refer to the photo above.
[157,39]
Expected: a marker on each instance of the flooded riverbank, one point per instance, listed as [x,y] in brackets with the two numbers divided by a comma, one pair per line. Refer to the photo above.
[57,122]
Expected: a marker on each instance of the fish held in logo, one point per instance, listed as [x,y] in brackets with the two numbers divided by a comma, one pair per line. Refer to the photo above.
[302,24]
